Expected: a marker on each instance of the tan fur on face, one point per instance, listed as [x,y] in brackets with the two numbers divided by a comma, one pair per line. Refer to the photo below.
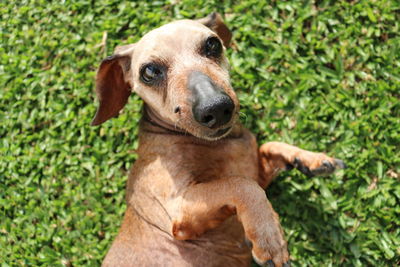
[178,44]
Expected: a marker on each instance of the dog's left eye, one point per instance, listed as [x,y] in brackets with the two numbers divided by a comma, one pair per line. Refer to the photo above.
[213,47]
[151,73]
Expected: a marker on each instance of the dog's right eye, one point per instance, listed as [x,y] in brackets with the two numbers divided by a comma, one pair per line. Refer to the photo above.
[151,73]
[213,47]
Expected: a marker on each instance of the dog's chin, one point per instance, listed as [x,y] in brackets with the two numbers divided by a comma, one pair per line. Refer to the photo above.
[215,135]
[195,129]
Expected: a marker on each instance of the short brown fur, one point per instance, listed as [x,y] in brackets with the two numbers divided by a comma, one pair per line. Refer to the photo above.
[194,198]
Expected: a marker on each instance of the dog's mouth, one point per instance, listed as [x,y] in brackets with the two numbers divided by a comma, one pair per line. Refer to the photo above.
[215,134]
[219,133]
[153,118]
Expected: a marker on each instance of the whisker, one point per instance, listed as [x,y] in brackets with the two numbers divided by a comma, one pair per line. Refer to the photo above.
[176,123]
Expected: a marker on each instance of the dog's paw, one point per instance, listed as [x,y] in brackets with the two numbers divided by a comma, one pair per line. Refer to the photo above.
[275,262]
[312,164]
[274,253]
[270,263]
[183,231]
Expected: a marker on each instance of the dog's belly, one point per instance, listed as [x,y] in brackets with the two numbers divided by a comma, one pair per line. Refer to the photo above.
[144,245]
[223,246]
[157,181]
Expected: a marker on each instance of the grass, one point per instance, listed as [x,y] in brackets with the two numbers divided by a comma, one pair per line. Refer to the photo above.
[323,75]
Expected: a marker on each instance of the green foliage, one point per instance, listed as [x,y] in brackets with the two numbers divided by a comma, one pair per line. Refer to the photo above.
[323,75]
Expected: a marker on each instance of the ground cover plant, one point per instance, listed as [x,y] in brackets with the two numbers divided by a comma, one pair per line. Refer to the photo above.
[323,75]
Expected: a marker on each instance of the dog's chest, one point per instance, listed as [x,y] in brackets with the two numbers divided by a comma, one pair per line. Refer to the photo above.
[235,157]
[171,166]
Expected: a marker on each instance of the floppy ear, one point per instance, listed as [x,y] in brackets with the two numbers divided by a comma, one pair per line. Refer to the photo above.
[215,23]
[112,84]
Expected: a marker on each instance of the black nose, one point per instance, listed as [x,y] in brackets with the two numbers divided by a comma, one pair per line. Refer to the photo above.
[212,107]
[215,112]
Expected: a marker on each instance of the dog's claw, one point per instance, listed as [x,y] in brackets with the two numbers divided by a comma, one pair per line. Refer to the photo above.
[325,168]
[328,166]
[270,263]
[301,167]
[339,163]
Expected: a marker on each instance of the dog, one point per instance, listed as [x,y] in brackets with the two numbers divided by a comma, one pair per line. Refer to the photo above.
[195,195]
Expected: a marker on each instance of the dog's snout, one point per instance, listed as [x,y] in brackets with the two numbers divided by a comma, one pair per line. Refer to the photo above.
[212,107]
[214,113]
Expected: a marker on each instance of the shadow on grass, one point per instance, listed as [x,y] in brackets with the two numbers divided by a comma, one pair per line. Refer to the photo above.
[311,227]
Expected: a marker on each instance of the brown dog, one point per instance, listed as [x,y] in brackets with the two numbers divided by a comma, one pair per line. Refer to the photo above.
[196,193]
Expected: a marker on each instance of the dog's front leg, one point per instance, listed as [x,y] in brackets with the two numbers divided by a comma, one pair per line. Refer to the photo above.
[275,157]
[206,205]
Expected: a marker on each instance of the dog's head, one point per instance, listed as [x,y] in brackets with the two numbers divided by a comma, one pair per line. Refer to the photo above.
[180,72]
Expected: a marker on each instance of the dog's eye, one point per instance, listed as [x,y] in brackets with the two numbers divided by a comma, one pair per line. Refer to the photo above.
[151,73]
[213,47]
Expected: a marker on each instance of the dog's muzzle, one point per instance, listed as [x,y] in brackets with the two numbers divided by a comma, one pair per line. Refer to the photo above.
[212,107]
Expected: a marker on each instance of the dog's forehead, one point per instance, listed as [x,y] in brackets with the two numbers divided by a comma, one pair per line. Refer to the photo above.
[177,30]
[174,37]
